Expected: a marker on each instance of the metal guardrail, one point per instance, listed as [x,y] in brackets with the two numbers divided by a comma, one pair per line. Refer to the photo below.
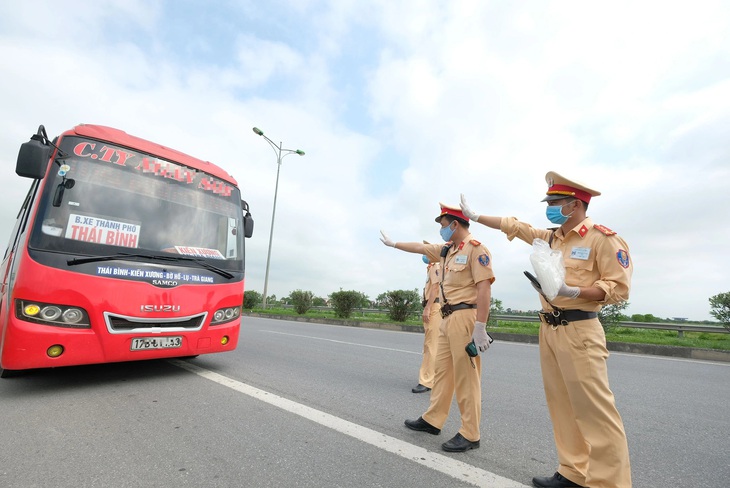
[679,328]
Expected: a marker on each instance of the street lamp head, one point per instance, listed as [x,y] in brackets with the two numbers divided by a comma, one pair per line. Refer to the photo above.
[258,131]
[300,152]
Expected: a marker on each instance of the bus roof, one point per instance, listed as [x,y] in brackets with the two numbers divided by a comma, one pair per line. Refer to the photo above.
[120,137]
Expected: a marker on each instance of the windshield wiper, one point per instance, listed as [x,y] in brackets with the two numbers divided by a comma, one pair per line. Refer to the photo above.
[111,257]
[136,257]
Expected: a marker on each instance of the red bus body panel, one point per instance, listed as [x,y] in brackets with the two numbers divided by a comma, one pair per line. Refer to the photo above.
[25,343]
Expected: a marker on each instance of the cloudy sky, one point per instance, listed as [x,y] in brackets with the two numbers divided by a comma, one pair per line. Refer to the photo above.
[399,105]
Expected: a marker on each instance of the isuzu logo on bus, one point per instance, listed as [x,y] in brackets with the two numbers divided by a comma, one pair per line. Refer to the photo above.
[159,308]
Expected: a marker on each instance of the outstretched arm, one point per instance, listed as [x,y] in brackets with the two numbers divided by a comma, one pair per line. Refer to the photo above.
[414,247]
[493,222]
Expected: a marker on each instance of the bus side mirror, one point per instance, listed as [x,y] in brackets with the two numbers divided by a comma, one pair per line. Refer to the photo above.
[33,158]
[247,225]
[247,220]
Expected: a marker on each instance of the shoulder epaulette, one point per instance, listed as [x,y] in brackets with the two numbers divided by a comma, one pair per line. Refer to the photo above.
[474,242]
[604,230]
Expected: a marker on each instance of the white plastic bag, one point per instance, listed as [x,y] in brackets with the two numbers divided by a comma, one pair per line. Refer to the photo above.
[548,266]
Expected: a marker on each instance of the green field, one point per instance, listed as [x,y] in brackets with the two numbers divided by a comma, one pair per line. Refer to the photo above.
[704,340]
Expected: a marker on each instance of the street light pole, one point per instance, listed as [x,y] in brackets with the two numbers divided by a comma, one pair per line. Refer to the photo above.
[280,154]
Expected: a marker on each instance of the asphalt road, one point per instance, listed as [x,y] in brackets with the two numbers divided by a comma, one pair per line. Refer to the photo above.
[311,405]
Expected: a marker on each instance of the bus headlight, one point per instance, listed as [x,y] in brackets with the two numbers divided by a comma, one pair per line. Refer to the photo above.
[52,314]
[73,315]
[223,315]
[31,310]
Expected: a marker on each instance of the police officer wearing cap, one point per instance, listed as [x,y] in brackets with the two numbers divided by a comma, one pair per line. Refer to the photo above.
[431,320]
[588,430]
[466,281]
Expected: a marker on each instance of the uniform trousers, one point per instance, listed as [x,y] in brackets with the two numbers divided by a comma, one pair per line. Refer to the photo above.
[430,344]
[589,433]
[457,373]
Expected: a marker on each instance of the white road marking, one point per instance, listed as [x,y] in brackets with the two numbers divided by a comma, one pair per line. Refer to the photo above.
[456,469]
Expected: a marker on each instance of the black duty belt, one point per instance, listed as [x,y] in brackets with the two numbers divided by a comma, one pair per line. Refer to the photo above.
[563,317]
[424,302]
[447,308]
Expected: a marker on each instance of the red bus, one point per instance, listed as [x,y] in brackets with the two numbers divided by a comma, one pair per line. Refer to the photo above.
[123,250]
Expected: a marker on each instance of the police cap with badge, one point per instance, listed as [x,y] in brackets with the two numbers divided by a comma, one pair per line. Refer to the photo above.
[454,212]
[560,187]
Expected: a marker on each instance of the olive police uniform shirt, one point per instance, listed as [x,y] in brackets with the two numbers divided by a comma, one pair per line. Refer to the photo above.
[593,256]
[466,265]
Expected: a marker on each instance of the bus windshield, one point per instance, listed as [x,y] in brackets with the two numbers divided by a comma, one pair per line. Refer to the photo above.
[103,200]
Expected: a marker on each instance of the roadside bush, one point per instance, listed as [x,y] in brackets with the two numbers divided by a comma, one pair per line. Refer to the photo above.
[495,308]
[302,301]
[401,303]
[251,298]
[611,315]
[344,302]
[720,305]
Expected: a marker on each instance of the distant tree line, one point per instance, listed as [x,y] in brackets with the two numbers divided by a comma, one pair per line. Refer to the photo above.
[400,304]
[403,303]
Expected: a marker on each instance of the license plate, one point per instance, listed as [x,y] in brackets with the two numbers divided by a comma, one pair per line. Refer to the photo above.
[145,343]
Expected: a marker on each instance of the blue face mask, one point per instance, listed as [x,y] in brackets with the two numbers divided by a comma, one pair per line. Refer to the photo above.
[425,259]
[555,214]
[446,233]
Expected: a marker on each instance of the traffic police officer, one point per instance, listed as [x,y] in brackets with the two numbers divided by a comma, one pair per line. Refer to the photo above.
[588,430]
[466,283]
[431,319]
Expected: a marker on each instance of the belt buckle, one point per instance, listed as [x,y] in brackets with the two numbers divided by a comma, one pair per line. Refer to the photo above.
[556,319]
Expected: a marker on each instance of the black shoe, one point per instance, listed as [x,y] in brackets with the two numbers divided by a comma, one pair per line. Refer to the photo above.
[420,389]
[555,481]
[459,444]
[422,426]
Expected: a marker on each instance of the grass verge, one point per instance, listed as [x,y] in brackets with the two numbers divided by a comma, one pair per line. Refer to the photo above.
[702,340]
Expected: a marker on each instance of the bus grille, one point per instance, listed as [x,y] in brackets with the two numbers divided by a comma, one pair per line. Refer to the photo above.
[119,324]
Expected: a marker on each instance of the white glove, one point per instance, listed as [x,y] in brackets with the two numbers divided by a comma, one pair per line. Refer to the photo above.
[568,291]
[481,337]
[387,240]
[470,214]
